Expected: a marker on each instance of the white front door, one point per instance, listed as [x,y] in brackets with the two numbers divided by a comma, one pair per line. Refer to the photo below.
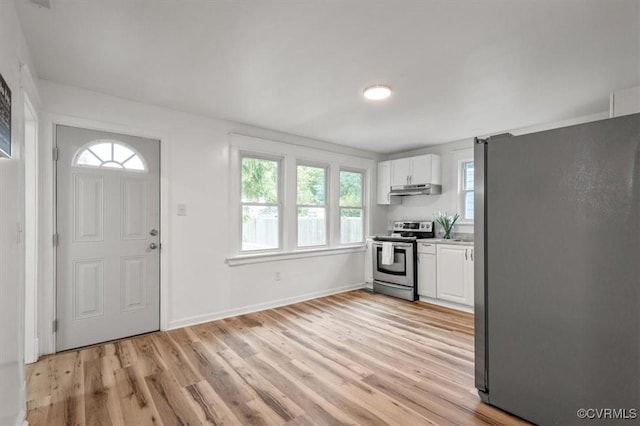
[108,225]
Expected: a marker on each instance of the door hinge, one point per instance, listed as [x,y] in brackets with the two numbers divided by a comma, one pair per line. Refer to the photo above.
[55,153]
[55,325]
[56,238]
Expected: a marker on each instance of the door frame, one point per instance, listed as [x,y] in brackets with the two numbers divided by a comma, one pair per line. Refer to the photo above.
[31,230]
[48,344]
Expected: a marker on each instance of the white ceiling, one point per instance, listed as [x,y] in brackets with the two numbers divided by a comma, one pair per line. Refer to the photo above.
[458,68]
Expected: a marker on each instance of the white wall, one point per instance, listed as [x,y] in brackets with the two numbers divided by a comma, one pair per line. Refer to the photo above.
[13,53]
[200,286]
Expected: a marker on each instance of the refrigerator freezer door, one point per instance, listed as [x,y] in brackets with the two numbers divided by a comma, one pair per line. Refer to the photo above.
[563,271]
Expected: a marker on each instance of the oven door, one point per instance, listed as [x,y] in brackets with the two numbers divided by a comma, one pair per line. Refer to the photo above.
[400,271]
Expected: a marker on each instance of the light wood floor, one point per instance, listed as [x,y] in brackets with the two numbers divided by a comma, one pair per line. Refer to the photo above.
[353,358]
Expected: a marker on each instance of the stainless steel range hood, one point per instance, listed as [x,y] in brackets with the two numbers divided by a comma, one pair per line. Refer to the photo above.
[420,189]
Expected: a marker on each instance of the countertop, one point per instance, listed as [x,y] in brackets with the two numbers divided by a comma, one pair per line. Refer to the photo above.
[442,241]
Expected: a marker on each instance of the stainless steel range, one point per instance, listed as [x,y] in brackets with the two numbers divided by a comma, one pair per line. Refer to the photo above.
[395,274]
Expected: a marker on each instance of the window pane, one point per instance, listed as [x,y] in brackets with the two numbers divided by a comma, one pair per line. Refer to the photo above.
[312,226]
[468,176]
[88,159]
[351,226]
[311,185]
[259,180]
[102,150]
[112,165]
[259,228]
[350,189]
[468,205]
[121,153]
[134,163]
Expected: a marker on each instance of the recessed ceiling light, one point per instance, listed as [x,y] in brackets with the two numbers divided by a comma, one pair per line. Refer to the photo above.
[377,92]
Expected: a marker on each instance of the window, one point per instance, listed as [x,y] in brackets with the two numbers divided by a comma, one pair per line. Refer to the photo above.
[351,207]
[466,190]
[293,201]
[260,189]
[109,154]
[312,206]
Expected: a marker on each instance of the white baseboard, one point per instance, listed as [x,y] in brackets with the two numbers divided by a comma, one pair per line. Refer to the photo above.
[199,319]
[446,304]
[22,416]
[31,354]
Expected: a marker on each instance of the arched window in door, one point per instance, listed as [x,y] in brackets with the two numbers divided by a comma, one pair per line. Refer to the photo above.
[110,154]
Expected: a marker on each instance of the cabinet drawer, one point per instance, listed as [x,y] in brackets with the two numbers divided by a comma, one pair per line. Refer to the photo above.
[429,248]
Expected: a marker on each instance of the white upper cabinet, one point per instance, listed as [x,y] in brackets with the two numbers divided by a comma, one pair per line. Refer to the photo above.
[400,171]
[384,184]
[416,170]
[422,169]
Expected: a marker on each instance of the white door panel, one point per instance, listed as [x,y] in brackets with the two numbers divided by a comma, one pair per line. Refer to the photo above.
[108,203]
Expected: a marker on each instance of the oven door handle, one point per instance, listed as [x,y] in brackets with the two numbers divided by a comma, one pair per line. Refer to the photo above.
[404,245]
[398,286]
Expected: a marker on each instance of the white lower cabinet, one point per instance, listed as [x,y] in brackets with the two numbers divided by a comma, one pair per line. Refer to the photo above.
[427,270]
[455,274]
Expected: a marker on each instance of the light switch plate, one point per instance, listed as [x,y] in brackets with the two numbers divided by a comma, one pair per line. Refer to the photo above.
[182,209]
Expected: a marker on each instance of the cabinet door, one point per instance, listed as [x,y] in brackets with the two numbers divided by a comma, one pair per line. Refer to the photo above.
[384,182]
[421,169]
[427,275]
[400,171]
[451,274]
[468,277]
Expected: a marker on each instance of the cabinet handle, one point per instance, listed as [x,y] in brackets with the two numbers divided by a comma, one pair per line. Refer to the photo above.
[472,255]
[425,245]
[465,255]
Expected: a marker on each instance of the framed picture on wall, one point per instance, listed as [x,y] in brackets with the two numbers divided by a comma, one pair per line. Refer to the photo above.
[5,119]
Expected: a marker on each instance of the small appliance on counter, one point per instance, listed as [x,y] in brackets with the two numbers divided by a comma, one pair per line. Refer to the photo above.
[395,259]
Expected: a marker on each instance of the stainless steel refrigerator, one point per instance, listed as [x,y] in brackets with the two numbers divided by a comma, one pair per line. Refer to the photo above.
[557,273]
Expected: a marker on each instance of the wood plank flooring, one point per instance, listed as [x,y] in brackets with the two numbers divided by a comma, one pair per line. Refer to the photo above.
[352,358]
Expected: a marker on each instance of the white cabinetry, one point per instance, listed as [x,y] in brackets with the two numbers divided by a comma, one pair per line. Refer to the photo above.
[416,170]
[384,184]
[455,274]
[400,171]
[427,270]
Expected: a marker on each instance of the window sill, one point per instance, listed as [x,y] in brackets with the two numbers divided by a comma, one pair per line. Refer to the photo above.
[246,259]
[465,222]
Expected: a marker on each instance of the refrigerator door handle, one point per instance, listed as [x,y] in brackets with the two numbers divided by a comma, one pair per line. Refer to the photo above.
[480,285]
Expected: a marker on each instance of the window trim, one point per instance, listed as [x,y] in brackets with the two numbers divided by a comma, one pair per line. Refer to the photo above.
[279,204]
[461,161]
[326,205]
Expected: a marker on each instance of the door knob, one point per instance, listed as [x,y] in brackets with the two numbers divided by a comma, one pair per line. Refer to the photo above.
[153,232]
[153,246]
